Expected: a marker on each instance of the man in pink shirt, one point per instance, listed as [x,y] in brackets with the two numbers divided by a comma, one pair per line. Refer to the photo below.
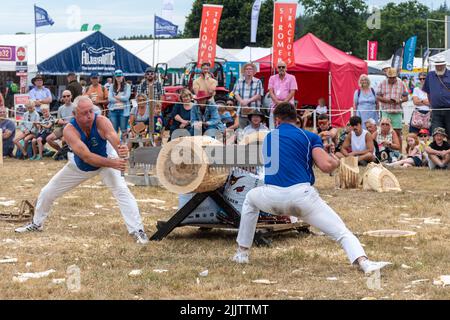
[282,88]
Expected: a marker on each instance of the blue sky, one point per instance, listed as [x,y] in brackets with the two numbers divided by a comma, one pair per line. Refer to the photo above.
[118,18]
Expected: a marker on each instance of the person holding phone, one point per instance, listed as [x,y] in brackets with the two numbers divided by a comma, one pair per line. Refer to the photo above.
[391,94]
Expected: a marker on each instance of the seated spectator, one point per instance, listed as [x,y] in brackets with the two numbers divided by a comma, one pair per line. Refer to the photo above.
[45,129]
[387,141]
[321,108]
[230,120]
[342,136]
[64,116]
[439,150]
[358,143]
[257,119]
[139,119]
[27,129]
[414,156]
[205,116]
[371,125]
[8,133]
[181,113]
[327,133]
[424,139]
[159,125]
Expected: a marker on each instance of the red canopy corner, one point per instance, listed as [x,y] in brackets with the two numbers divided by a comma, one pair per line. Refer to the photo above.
[322,71]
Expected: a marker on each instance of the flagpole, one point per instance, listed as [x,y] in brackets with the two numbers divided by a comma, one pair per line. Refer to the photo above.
[35,39]
[154,39]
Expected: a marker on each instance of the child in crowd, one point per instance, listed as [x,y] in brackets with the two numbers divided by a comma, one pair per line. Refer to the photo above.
[159,125]
[321,108]
[45,127]
[343,136]
[414,156]
[424,139]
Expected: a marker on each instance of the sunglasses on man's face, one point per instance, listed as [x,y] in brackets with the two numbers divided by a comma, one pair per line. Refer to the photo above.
[422,79]
[385,124]
[422,136]
[281,67]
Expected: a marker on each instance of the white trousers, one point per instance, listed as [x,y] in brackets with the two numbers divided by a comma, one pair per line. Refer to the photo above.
[302,201]
[70,177]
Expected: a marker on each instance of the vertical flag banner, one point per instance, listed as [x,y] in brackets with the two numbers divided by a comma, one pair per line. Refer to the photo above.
[372,50]
[284,32]
[397,59]
[255,20]
[165,28]
[42,18]
[208,33]
[408,56]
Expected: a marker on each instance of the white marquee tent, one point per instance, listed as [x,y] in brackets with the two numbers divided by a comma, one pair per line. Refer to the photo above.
[175,52]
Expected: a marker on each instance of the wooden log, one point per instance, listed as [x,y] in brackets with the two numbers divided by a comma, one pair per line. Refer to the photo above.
[180,172]
[379,179]
[256,137]
[348,175]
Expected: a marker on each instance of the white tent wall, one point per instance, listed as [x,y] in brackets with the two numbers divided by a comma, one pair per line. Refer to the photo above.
[175,52]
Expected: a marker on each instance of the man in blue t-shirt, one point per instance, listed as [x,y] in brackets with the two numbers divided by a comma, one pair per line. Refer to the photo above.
[8,128]
[290,154]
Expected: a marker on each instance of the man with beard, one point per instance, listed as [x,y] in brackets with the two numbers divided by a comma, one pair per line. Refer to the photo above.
[149,81]
[437,87]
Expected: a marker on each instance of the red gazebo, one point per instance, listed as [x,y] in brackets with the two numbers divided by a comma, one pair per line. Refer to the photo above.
[322,71]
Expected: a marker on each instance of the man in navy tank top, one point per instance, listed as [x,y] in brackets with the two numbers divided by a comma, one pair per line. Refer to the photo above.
[289,156]
[95,150]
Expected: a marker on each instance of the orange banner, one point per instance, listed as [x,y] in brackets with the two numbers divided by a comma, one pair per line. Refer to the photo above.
[283,33]
[208,34]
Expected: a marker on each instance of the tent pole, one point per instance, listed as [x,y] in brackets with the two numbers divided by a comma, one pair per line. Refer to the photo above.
[329,94]
[35,40]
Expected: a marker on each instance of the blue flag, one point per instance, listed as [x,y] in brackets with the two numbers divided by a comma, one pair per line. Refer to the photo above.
[42,18]
[165,28]
[408,56]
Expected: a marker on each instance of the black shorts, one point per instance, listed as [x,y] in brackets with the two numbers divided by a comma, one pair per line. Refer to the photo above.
[44,136]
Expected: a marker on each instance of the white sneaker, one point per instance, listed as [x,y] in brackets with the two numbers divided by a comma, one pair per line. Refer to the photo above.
[141,237]
[29,228]
[370,266]
[241,256]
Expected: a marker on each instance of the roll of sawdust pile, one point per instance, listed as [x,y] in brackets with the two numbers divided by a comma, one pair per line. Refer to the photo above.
[183,173]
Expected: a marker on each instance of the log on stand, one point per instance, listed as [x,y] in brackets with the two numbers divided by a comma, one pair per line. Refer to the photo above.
[348,175]
[380,179]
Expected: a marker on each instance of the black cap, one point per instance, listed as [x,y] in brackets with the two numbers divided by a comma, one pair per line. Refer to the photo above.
[150,69]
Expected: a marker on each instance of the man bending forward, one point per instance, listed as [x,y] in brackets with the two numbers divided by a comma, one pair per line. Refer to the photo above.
[91,154]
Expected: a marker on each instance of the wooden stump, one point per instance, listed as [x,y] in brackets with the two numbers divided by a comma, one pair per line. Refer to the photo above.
[380,179]
[182,166]
[348,175]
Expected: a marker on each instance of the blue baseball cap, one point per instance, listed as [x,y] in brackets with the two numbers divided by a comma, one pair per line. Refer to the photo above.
[118,73]
[94,75]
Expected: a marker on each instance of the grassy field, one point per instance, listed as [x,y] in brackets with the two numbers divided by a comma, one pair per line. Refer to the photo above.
[85,229]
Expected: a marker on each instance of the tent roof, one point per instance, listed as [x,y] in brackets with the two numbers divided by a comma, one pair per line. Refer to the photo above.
[49,45]
[175,52]
[313,54]
[251,54]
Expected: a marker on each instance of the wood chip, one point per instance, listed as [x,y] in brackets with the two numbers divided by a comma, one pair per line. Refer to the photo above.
[11,260]
[264,281]
[404,266]
[23,277]
[135,273]
[204,273]
[160,270]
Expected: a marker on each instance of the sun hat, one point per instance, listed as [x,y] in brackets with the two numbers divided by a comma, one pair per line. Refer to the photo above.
[118,73]
[439,130]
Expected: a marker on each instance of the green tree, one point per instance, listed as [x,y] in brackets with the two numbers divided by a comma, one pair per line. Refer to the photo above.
[235,24]
[337,22]
[398,23]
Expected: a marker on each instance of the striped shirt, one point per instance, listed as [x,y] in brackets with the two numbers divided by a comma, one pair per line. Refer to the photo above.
[395,91]
[248,91]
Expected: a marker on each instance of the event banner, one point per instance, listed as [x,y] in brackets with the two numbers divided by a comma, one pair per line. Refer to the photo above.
[372,50]
[7,53]
[254,20]
[408,55]
[208,33]
[397,59]
[284,32]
